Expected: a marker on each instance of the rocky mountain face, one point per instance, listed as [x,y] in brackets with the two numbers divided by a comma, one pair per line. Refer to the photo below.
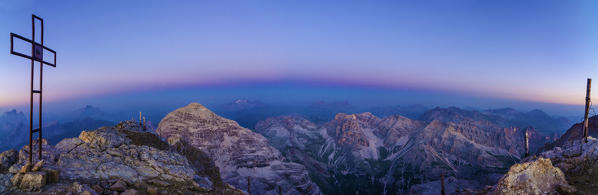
[575,133]
[119,159]
[238,152]
[13,125]
[535,177]
[395,154]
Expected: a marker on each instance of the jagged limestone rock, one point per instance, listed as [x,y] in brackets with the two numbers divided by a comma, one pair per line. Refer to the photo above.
[362,152]
[101,157]
[535,177]
[25,168]
[119,186]
[30,181]
[38,165]
[7,159]
[237,151]
[579,162]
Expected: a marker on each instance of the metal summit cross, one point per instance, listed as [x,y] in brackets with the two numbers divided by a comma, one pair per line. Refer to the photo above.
[37,54]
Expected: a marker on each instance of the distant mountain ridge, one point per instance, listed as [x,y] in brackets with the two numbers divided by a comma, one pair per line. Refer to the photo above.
[395,154]
[249,112]
[535,118]
[15,126]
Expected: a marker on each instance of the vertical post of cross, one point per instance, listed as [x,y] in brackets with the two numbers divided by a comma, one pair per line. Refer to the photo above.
[587,110]
[31,92]
[41,76]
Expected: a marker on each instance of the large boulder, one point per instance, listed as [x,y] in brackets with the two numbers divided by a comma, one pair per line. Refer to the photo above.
[535,177]
[238,152]
[579,161]
[30,180]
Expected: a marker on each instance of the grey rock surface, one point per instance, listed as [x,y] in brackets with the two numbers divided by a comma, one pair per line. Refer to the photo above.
[237,151]
[579,163]
[535,177]
[7,159]
[365,153]
[111,156]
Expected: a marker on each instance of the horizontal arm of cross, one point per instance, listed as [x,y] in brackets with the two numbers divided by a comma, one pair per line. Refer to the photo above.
[12,35]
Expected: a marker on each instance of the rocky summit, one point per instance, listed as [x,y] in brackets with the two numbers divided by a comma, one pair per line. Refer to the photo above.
[110,160]
[246,160]
[571,168]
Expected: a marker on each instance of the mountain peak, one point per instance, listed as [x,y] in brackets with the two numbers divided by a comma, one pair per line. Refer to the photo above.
[364,115]
[196,108]
[238,152]
[538,113]
[195,105]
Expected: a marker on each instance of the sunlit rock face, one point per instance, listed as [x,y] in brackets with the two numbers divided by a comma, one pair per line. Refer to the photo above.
[535,177]
[238,152]
[362,152]
[579,161]
[571,168]
[112,159]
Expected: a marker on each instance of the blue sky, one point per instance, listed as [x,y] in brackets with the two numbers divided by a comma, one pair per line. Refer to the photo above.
[529,51]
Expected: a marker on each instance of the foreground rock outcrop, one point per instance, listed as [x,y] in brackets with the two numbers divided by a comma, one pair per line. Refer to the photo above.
[113,159]
[238,152]
[579,162]
[535,177]
[571,168]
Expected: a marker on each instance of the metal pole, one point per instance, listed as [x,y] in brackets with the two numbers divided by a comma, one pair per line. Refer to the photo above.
[526,144]
[31,92]
[279,190]
[585,118]
[41,76]
[442,184]
[249,185]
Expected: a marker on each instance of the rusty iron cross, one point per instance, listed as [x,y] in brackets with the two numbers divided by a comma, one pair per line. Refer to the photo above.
[37,54]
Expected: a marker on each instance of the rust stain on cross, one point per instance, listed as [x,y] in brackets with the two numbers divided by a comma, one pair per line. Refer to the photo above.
[37,55]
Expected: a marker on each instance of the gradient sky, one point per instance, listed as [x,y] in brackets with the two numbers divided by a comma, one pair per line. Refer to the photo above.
[539,51]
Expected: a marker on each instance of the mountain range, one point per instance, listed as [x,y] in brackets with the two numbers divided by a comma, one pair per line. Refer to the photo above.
[14,126]
[299,152]
[395,154]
